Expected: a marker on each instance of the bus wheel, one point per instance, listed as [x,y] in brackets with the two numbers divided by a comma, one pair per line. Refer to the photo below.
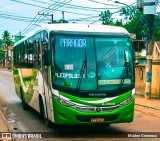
[47,122]
[24,105]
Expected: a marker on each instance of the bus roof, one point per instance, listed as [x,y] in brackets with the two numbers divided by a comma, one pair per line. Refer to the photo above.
[85,28]
[77,28]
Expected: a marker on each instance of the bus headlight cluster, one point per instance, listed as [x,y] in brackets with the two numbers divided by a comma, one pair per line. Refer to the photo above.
[64,102]
[127,101]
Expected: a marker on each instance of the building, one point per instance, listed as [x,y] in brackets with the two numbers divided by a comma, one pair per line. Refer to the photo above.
[140,66]
[155,87]
[140,69]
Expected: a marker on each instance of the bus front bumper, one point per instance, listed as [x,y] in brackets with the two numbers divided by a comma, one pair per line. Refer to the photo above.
[67,115]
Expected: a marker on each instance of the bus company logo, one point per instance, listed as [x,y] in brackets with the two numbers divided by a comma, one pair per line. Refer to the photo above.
[97,94]
[97,109]
[92,74]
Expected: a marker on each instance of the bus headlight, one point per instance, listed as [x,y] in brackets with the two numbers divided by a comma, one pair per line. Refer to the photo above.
[63,101]
[127,100]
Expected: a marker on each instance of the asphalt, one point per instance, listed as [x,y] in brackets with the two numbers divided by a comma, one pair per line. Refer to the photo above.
[148,106]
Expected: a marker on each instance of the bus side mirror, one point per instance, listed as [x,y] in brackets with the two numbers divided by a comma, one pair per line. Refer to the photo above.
[47,58]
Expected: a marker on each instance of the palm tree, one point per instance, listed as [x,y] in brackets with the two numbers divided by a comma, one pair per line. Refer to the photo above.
[6,38]
[6,42]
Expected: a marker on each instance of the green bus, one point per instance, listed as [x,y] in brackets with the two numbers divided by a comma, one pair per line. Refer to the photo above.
[76,74]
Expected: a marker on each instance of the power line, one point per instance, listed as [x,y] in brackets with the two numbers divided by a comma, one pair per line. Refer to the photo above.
[102,3]
[15,17]
[31,27]
[77,6]
[55,6]
[51,9]
[35,23]
[82,19]
[29,24]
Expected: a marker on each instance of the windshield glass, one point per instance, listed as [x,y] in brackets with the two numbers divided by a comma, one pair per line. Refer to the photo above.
[95,63]
[112,56]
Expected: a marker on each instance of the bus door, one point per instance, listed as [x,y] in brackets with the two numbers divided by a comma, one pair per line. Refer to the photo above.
[47,82]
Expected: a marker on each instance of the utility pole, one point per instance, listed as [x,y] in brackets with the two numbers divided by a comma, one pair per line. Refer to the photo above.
[47,15]
[7,62]
[63,16]
[150,21]
[20,37]
[149,9]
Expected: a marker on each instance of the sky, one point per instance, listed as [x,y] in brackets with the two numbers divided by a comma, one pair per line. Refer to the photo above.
[22,15]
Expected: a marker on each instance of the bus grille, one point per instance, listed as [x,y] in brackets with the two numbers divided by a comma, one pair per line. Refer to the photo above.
[93,109]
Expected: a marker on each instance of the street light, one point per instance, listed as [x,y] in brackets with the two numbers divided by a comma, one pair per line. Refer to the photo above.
[124,4]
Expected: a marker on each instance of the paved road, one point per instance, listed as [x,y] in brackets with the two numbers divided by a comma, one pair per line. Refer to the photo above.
[30,121]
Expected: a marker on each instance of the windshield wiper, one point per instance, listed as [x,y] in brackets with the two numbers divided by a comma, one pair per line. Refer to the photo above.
[124,73]
[84,65]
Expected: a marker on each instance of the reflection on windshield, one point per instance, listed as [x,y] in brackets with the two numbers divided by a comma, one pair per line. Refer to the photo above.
[112,53]
[105,65]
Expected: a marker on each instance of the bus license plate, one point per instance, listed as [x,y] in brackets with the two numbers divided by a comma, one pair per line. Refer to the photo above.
[97,119]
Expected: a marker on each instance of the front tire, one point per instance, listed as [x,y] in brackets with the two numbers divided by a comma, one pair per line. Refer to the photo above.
[47,122]
[24,105]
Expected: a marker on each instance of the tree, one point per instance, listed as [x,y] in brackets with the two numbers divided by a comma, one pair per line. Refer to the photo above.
[156,34]
[6,38]
[135,22]
[6,42]
[1,54]
[2,57]
[106,17]
[129,12]
[134,19]
[60,21]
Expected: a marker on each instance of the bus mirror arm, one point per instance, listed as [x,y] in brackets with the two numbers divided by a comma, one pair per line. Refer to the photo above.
[47,58]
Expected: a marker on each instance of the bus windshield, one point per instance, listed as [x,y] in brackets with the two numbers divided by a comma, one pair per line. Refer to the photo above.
[98,63]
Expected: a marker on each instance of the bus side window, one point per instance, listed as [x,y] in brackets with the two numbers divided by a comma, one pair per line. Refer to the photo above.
[35,54]
[37,40]
[45,68]
[26,54]
[30,53]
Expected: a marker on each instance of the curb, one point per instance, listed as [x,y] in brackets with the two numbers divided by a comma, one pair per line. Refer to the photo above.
[10,129]
[148,111]
[148,107]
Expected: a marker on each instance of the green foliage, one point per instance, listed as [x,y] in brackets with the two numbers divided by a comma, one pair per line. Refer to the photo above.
[6,38]
[60,21]
[134,21]
[2,55]
[156,34]
[106,17]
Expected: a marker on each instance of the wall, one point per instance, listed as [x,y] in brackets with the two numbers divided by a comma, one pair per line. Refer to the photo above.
[140,79]
[155,90]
